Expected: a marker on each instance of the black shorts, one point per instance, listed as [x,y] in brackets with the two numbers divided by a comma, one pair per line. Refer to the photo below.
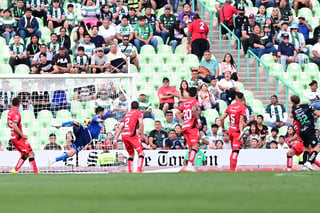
[56,24]
[309,138]
[170,106]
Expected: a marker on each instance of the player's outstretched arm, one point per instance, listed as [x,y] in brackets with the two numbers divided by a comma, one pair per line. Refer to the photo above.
[107,114]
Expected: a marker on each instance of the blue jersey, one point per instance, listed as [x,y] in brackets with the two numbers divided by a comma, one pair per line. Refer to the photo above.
[95,126]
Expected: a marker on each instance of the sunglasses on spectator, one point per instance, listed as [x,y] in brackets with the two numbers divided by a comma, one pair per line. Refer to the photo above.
[126,39]
[165,81]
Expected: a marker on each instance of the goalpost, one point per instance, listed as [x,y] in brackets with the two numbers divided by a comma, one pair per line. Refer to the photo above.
[58,98]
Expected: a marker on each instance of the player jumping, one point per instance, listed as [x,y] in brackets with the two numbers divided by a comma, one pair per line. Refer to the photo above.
[18,139]
[190,125]
[304,114]
[237,116]
[131,128]
[84,135]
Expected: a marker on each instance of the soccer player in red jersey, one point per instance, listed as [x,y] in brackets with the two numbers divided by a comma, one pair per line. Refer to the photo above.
[18,139]
[190,124]
[237,116]
[131,128]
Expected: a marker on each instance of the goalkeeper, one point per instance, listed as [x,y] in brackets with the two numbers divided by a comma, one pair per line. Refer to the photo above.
[84,135]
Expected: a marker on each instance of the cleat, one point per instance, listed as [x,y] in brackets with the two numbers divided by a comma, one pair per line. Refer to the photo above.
[56,125]
[307,165]
[13,171]
[289,169]
[189,169]
[50,162]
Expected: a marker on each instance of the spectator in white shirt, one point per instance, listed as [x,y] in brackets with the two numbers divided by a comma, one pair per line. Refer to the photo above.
[108,32]
[282,144]
[314,95]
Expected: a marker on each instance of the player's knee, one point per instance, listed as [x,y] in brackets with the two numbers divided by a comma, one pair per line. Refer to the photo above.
[141,154]
[31,155]
[236,151]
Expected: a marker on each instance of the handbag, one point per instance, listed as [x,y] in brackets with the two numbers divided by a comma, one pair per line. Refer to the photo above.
[225,21]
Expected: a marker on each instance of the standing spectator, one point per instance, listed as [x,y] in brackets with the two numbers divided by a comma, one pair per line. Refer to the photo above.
[90,12]
[43,49]
[229,88]
[40,99]
[168,123]
[166,23]
[286,14]
[287,52]
[276,114]
[246,31]
[120,107]
[197,34]
[129,50]
[18,10]
[28,25]
[7,24]
[53,46]
[265,3]
[18,53]
[316,53]
[117,60]
[33,47]
[108,32]
[52,145]
[59,101]
[218,5]
[89,47]
[124,29]
[304,28]
[240,20]
[100,62]
[64,39]
[166,95]
[145,106]
[314,95]
[56,16]
[6,96]
[157,136]
[143,34]
[81,62]
[119,11]
[298,4]
[62,62]
[37,8]
[210,64]
[226,17]
[186,12]
[98,40]
[177,35]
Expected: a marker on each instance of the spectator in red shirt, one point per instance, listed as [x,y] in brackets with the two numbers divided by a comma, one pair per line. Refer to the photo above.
[166,95]
[226,16]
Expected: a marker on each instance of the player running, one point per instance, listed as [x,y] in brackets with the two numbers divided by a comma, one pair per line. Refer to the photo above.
[131,128]
[84,135]
[190,125]
[237,116]
[304,114]
[18,139]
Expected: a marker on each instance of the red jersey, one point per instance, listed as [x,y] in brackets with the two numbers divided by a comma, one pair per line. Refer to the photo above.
[199,29]
[130,123]
[162,90]
[14,117]
[189,120]
[235,111]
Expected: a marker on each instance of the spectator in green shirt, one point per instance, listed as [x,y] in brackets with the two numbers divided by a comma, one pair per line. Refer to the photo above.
[144,34]
[200,160]
[145,106]
[18,10]
[106,159]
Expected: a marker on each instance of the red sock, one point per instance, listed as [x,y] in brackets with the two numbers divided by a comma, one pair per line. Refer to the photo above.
[192,156]
[34,165]
[140,163]
[317,163]
[130,163]
[289,162]
[19,164]
[233,160]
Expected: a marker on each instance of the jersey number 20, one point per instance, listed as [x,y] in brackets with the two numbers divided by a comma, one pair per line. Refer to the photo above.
[187,114]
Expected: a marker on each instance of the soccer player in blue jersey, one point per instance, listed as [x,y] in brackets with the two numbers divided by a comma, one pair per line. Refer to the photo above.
[84,135]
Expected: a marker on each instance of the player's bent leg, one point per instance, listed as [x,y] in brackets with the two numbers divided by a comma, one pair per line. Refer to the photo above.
[64,156]
[33,162]
[19,164]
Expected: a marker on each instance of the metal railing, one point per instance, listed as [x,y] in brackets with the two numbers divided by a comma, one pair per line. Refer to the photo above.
[259,62]
[203,7]
[231,34]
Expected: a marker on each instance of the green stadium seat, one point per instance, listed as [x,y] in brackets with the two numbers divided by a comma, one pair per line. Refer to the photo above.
[133,68]
[283,130]
[5,135]
[311,67]
[158,114]
[22,69]
[305,12]
[166,58]
[5,69]
[223,106]
[2,42]
[109,124]
[192,60]
[248,95]
[148,125]
[258,107]
[62,116]
[160,40]
[40,21]
[147,50]
[267,59]
[164,49]
[294,68]
[276,70]
[240,86]
[76,107]
[150,68]
[211,115]
[27,118]
[45,118]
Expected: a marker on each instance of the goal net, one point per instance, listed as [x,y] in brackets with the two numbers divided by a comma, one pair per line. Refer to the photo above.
[58,98]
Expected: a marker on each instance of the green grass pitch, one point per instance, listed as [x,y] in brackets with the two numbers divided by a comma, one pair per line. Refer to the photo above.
[175,192]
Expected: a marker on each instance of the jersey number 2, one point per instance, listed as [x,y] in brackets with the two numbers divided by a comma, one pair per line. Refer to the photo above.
[126,123]
[202,26]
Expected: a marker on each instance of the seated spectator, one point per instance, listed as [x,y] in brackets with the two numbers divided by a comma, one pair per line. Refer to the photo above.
[38,9]
[166,95]
[40,99]
[292,137]
[120,107]
[228,88]
[284,30]
[171,141]
[119,10]
[143,34]
[121,160]
[45,66]
[214,135]
[286,14]
[246,31]
[153,20]
[180,137]
[227,13]
[78,36]
[228,64]
[183,92]
[298,40]
[132,17]
[98,40]
[254,143]
[287,52]
[203,120]
[71,17]
[33,47]
[253,134]
[195,80]
[265,3]
[263,129]
[262,15]
[18,53]
[276,19]
[156,136]
[240,20]
[168,123]
[103,100]
[64,39]
[105,13]
[167,21]
[62,62]
[7,25]
[314,95]
[56,16]
[176,35]
[90,12]
[145,106]
[81,62]
[124,29]
[117,60]
[85,93]
[316,53]
[129,50]
[186,11]
[52,145]
[18,10]
[108,32]
[34,69]
[206,99]
[210,64]
[226,141]
[43,49]
[273,137]
[25,97]
[282,144]
[59,101]
[298,4]
[276,114]
[219,144]
[316,34]
[105,158]
[6,96]
[53,46]
[214,89]
[89,47]
[100,62]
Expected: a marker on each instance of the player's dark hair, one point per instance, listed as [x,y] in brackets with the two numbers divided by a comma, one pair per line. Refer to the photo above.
[99,109]
[260,116]
[239,95]
[295,99]
[196,16]
[134,105]
[16,101]
[192,92]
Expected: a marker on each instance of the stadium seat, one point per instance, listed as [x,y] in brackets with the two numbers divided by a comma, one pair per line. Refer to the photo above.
[248,95]
[109,124]
[211,115]
[257,107]
[22,69]
[267,59]
[147,50]
[148,125]
[158,114]
[5,69]
[240,86]
[45,118]
[164,49]
[192,60]
[294,68]
[305,12]
[76,107]
[27,118]
[223,106]
[160,40]
[133,68]
[62,116]
[311,67]
[166,58]
[5,135]
[276,70]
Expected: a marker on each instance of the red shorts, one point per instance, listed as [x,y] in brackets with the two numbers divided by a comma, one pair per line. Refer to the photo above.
[298,148]
[132,143]
[235,144]
[192,136]
[22,146]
